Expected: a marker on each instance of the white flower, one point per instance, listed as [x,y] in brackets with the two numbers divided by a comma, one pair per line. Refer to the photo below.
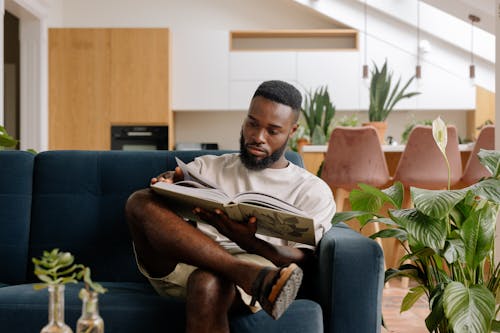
[440,134]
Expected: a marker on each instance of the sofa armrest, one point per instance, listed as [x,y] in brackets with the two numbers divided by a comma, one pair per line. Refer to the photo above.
[350,279]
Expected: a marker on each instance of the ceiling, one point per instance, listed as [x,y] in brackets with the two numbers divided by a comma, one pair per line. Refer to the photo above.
[484,9]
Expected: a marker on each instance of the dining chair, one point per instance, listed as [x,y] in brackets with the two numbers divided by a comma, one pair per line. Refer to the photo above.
[474,170]
[422,165]
[354,156]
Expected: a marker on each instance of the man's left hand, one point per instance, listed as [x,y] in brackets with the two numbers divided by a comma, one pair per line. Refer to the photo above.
[242,233]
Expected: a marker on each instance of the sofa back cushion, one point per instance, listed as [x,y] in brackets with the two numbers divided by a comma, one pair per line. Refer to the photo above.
[79,199]
[16,176]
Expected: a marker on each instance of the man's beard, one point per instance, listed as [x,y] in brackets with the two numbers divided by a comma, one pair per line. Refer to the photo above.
[252,163]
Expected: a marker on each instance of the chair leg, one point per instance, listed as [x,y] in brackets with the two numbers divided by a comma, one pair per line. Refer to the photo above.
[340,195]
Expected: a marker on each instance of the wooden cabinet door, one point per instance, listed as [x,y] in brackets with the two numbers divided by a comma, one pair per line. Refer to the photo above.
[79,89]
[100,77]
[139,61]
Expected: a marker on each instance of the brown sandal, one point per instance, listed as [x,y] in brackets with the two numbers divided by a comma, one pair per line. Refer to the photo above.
[276,296]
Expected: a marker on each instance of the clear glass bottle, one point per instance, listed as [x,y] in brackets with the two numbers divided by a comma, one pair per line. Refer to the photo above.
[90,321]
[56,311]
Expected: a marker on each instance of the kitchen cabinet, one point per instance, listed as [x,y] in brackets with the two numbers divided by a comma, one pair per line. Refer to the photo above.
[99,77]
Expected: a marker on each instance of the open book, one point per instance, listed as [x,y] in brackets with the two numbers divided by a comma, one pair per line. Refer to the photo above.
[275,217]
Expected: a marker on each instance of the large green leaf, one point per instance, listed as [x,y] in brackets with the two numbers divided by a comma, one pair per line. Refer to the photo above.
[436,203]
[399,234]
[454,250]
[489,189]
[491,160]
[478,232]
[413,295]
[468,309]
[346,216]
[422,229]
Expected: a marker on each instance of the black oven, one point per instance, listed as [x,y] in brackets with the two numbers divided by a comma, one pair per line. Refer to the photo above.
[139,137]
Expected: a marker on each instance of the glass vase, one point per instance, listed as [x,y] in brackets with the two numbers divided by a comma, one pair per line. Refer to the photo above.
[56,311]
[90,321]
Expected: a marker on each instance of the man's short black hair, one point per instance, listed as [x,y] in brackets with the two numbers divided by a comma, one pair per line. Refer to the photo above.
[281,92]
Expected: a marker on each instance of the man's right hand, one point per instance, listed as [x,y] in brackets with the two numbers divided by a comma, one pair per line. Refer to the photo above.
[169,176]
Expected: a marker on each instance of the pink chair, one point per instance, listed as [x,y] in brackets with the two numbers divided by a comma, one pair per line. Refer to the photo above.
[474,170]
[422,165]
[354,156]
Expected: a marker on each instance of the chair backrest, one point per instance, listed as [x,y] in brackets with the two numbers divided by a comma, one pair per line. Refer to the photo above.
[474,170]
[354,156]
[422,163]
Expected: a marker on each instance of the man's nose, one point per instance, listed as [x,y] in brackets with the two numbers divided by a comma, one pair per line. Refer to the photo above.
[259,136]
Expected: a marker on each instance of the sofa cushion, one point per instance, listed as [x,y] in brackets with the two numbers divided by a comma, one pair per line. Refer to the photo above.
[16,177]
[135,307]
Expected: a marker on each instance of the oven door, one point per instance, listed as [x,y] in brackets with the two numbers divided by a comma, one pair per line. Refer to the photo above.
[139,137]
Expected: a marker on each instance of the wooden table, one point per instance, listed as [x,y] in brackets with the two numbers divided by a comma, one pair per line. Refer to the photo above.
[313,155]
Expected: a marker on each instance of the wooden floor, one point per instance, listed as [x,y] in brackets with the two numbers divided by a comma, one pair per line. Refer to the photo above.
[412,321]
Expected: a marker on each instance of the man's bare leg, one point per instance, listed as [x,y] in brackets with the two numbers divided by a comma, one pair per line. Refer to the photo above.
[162,239]
[209,300]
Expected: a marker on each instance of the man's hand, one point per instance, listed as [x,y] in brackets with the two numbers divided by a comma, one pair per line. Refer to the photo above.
[169,176]
[242,233]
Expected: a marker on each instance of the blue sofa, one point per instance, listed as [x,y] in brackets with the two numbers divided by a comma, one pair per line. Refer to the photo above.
[74,201]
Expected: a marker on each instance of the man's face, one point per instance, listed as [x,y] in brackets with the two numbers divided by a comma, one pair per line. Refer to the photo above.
[265,133]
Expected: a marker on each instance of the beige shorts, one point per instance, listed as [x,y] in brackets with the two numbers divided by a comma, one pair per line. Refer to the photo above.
[174,284]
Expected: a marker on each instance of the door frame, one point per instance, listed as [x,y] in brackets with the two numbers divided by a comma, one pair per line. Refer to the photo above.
[33,34]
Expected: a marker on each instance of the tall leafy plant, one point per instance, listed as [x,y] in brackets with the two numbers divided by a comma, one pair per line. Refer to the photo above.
[384,96]
[449,241]
[318,113]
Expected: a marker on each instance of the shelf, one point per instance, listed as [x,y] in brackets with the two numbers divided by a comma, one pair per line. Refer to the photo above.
[294,40]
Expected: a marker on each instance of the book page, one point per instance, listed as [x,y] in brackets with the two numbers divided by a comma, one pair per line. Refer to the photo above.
[278,224]
[193,175]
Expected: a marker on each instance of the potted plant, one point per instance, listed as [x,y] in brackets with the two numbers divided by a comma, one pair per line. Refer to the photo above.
[384,97]
[90,320]
[55,269]
[449,241]
[318,113]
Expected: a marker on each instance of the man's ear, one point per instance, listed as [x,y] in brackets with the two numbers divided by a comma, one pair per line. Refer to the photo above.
[293,129]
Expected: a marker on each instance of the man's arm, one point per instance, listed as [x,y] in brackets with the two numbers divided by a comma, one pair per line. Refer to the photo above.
[243,234]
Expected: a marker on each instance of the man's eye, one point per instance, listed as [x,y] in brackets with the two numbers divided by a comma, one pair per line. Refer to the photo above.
[273,132]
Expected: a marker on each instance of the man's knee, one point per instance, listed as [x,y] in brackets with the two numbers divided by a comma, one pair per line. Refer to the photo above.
[136,202]
[207,285]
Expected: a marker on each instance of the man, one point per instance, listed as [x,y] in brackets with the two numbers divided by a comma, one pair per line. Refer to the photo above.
[223,266]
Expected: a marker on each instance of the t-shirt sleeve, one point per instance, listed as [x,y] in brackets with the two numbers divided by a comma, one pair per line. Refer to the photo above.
[317,201]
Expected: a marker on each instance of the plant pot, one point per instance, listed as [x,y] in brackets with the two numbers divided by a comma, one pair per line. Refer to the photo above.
[56,311]
[381,127]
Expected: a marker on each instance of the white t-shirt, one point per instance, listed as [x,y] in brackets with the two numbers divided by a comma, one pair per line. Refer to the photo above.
[292,184]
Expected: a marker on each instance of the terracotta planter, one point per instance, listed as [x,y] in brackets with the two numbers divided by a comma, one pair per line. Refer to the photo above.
[381,127]
[301,143]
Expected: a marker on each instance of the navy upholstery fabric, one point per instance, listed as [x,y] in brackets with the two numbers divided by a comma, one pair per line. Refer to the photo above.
[16,178]
[74,200]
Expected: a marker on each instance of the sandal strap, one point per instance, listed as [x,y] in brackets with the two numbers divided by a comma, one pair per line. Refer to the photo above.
[257,290]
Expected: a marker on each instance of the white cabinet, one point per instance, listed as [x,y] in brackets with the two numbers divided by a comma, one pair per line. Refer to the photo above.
[200,70]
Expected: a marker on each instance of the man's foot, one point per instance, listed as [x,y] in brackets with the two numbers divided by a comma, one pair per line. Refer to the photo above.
[277,293]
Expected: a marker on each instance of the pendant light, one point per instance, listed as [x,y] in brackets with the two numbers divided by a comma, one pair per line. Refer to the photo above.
[472,69]
[365,66]
[418,68]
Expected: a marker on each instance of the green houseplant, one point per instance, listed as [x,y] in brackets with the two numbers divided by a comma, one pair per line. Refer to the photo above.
[384,97]
[449,241]
[318,113]
[55,269]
